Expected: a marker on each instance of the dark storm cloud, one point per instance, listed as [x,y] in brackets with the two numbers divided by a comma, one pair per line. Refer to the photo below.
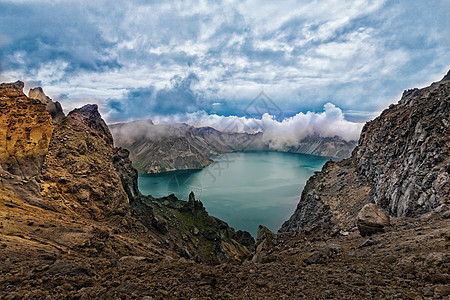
[178,98]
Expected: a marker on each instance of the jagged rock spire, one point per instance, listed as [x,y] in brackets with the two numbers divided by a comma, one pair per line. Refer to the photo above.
[53,108]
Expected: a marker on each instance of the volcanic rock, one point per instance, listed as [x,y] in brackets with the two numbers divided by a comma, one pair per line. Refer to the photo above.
[25,131]
[246,239]
[372,219]
[446,215]
[192,205]
[85,252]
[53,108]
[368,243]
[80,166]
[323,254]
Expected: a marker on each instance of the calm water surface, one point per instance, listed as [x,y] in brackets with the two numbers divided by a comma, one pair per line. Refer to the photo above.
[243,189]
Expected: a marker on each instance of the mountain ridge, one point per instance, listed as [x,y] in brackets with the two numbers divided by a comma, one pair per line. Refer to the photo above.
[154,148]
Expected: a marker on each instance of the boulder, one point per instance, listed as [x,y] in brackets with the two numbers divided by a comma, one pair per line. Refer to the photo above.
[323,254]
[372,219]
[446,215]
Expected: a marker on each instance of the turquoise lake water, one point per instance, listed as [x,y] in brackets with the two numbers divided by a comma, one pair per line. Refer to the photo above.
[243,189]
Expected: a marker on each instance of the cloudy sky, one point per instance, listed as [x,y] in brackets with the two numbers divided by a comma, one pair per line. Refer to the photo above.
[155,59]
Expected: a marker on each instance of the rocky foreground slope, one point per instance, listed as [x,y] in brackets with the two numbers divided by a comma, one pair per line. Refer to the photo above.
[401,163]
[160,148]
[410,261]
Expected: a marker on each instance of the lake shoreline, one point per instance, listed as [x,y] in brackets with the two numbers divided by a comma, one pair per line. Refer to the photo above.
[244,189]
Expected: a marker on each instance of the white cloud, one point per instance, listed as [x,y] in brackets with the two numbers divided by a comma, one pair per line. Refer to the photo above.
[329,123]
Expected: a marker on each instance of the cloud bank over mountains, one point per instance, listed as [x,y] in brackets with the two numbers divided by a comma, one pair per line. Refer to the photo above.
[287,132]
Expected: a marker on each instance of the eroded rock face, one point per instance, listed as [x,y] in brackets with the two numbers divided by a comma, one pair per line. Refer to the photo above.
[127,173]
[25,131]
[372,219]
[79,172]
[333,196]
[401,163]
[53,108]
[404,153]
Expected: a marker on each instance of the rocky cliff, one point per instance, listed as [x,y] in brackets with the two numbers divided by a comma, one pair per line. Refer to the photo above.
[331,146]
[401,163]
[25,131]
[69,174]
[78,173]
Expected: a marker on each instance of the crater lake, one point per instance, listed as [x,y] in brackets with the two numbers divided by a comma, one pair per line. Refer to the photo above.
[245,189]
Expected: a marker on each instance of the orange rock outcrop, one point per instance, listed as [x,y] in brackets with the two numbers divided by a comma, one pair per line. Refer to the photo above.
[25,131]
